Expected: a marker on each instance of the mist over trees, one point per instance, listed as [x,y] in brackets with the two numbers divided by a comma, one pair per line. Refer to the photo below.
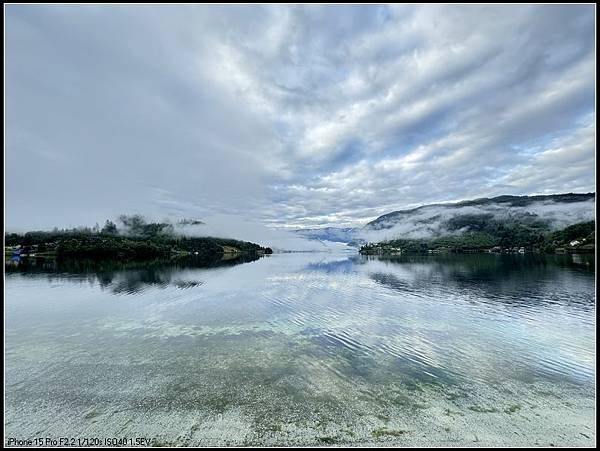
[136,225]
[136,239]
[484,235]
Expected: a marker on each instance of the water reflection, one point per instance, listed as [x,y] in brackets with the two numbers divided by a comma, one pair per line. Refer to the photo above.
[509,278]
[308,349]
[121,276]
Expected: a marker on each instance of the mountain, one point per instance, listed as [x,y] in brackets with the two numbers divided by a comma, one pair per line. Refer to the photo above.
[507,221]
[557,210]
[341,235]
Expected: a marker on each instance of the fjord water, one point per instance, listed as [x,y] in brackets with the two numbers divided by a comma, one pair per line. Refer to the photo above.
[307,348]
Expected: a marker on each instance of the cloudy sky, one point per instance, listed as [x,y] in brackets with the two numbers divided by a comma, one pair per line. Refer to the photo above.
[291,115]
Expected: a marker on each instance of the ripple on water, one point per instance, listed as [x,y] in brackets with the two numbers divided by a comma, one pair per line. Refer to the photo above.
[290,350]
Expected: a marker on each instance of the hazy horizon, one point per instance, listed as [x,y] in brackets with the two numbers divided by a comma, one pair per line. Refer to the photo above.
[217,222]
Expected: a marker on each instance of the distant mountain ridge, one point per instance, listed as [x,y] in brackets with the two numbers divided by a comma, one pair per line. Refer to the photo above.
[387,220]
[335,234]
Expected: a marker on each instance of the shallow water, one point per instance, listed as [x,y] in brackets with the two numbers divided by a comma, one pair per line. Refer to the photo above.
[308,348]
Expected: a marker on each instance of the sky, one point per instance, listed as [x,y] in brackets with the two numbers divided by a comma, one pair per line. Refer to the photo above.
[291,116]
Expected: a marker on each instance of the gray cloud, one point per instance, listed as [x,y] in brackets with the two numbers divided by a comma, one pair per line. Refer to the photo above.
[292,115]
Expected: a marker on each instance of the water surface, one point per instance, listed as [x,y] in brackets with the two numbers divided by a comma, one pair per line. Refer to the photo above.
[309,348]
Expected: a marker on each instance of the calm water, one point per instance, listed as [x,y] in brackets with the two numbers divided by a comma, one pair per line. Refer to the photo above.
[307,348]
